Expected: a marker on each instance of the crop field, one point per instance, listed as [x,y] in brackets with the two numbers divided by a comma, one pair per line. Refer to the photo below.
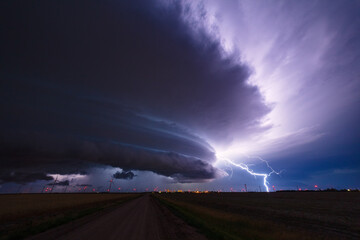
[280,215]
[27,214]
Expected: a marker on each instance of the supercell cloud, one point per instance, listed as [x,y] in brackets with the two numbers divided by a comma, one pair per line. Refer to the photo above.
[118,84]
[158,89]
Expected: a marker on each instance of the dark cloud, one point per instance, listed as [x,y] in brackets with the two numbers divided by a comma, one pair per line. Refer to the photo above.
[124,175]
[60,183]
[23,177]
[59,155]
[123,84]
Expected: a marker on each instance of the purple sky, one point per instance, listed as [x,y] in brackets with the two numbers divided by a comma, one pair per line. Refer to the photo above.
[160,93]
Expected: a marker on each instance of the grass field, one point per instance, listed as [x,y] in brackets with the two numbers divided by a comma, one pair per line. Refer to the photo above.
[281,215]
[22,215]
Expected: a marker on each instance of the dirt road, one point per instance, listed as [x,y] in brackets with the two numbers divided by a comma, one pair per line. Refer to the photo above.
[142,218]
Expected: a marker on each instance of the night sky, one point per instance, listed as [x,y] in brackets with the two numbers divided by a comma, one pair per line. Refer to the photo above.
[164,93]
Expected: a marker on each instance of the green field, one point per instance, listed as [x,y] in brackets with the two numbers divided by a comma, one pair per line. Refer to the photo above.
[280,215]
[23,215]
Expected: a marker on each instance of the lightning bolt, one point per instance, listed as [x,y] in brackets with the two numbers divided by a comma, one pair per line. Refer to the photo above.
[245,167]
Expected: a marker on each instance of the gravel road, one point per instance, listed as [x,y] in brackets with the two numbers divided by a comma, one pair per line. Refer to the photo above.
[141,218]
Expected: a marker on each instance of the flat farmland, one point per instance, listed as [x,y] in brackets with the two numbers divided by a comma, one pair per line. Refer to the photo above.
[280,215]
[23,215]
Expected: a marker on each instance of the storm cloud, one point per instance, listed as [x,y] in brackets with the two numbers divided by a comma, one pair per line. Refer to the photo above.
[122,84]
[124,175]
[23,177]
[306,61]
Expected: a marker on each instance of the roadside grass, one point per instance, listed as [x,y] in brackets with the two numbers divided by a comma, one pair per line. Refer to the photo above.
[219,224]
[193,218]
[29,229]
[28,216]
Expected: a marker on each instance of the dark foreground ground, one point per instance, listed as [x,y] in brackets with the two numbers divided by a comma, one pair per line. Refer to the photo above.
[140,216]
[280,215]
[22,215]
